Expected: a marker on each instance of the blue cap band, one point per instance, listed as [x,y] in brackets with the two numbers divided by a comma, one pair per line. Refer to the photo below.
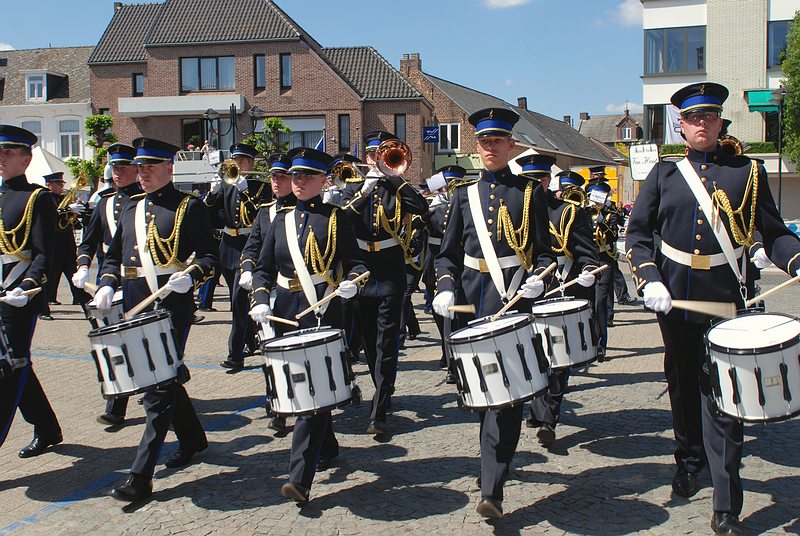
[485,125]
[373,143]
[5,138]
[301,165]
[701,100]
[155,154]
[537,167]
[452,175]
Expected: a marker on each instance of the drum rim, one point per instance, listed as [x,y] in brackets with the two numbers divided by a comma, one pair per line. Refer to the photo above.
[335,333]
[754,420]
[140,390]
[524,319]
[93,306]
[586,306]
[315,411]
[511,404]
[139,320]
[751,351]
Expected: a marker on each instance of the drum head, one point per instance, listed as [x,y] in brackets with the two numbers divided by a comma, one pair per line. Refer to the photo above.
[138,320]
[558,306]
[302,339]
[486,329]
[116,300]
[754,333]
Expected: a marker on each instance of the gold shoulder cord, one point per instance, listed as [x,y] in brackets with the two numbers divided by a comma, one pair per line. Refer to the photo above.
[517,238]
[405,243]
[567,218]
[247,217]
[744,234]
[321,262]
[8,239]
[167,248]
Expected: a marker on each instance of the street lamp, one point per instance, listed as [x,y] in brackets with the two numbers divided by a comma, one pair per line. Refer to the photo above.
[779,97]
[255,114]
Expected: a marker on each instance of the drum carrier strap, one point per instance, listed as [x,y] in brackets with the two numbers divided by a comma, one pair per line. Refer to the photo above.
[112,224]
[141,244]
[300,265]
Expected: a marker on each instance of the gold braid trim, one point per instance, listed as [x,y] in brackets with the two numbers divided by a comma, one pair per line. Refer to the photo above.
[321,262]
[744,234]
[167,248]
[517,238]
[8,239]
[246,215]
[405,243]
[565,226]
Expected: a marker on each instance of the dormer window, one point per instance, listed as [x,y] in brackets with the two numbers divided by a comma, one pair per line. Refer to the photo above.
[43,84]
[36,87]
[627,133]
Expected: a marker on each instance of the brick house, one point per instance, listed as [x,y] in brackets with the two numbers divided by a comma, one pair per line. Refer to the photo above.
[159,67]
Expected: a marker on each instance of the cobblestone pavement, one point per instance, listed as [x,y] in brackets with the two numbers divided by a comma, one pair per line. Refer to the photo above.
[609,472]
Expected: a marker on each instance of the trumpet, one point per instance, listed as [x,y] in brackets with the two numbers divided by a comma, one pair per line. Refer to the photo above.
[343,171]
[393,158]
[66,216]
[731,145]
[574,195]
[229,172]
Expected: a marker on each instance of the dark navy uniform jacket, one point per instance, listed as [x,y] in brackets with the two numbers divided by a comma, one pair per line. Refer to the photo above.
[580,241]
[275,258]
[666,209]
[608,228]
[435,220]
[97,231]
[40,242]
[386,265]
[252,249]
[195,236]
[227,203]
[460,237]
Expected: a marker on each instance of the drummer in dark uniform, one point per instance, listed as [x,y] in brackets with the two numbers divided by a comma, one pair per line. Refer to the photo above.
[237,204]
[175,225]
[97,237]
[675,252]
[573,245]
[522,246]
[377,212]
[331,261]
[26,243]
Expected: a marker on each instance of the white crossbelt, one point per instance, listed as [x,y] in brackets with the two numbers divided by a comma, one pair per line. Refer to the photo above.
[294,284]
[511,261]
[135,272]
[697,262]
[112,225]
[244,231]
[377,246]
[18,269]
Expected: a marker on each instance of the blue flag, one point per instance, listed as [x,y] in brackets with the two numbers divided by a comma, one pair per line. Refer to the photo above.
[320,144]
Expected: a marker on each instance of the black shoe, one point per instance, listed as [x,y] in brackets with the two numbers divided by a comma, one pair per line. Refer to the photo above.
[443,363]
[295,492]
[451,378]
[490,508]
[231,364]
[601,355]
[136,488]
[627,299]
[546,435]
[140,401]
[725,523]
[46,317]
[197,319]
[531,422]
[38,446]
[183,456]
[685,483]
[109,419]
[208,309]
[610,323]
[378,428]
[278,423]
[325,463]
[55,302]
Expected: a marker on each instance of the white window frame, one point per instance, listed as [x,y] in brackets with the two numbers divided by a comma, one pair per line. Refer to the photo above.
[451,148]
[70,137]
[42,86]
[627,133]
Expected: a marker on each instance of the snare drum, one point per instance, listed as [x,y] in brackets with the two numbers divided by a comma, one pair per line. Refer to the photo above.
[136,355]
[7,362]
[754,366]
[307,372]
[500,363]
[564,326]
[99,318]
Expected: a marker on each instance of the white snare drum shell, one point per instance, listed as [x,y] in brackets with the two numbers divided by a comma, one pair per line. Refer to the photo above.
[566,330]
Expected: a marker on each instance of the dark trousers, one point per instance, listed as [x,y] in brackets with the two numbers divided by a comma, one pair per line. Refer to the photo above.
[701,433]
[546,409]
[380,332]
[352,326]
[603,302]
[312,438]
[117,406]
[242,328]
[408,318]
[500,431]
[206,293]
[64,262]
[22,389]
[620,285]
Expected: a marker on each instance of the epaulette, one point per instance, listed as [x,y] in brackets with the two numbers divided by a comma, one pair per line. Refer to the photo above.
[459,183]
[354,179]
[108,193]
[192,194]
[139,196]
[267,204]
[286,208]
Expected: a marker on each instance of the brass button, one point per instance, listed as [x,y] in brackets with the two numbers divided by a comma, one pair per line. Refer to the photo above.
[697,252]
[699,209]
[703,180]
[133,258]
[149,203]
[703,166]
[633,268]
[491,209]
[490,221]
[491,196]
[699,222]
[493,186]
[120,204]
[698,237]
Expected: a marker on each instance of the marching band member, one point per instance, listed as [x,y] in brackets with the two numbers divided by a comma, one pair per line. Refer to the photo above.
[324,238]
[27,247]
[377,212]
[573,245]
[173,226]
[514,211]
[685,239]
[237,205]
[97,237]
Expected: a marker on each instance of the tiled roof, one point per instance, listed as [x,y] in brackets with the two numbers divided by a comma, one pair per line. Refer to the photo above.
[604,127]
[370,74]
[123,40]
[533,128]
[70,61]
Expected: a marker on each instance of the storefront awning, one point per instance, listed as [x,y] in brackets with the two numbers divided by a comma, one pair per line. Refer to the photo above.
[760,100]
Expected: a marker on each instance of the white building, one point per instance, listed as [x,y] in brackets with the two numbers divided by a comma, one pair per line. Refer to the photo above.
[736,43]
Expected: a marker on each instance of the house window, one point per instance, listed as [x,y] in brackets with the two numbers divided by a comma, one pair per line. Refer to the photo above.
[777,31]
[627,133]
[301,138]
[344,133]
[286,72]
[69,131]
[449,138]
[400,126]
[138,85]
[771,127]
[260,72]
[35,87]
[208,74]
[654,123]
[34,126]
[674,50]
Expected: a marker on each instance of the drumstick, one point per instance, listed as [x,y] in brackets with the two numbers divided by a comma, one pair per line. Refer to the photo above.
[91,287]
[518,297]
[329,297]
[721,309]
[283,320]
[32,292]
[783,285]
[467,308]
[142,305]
[570,283]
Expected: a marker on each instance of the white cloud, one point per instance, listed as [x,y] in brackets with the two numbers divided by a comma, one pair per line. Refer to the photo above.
[629,13]
[6,46]
[508,82]
[502,4]
[632,107]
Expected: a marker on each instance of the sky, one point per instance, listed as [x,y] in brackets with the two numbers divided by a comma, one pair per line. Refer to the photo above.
[565,56]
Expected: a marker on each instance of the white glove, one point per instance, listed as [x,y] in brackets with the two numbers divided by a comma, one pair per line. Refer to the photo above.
[103,298]
[241,184]
[180,283]
[246,280]
[369,184]
[532,288]
[760,259]
[657,298]
[585,279]
[80,277]
[442,303]
[216,186]
[77,208]
[15,298]
[346,289]
[260,312]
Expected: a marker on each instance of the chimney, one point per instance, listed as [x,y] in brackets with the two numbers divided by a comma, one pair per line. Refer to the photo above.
[584,116]
[522,102]
[410,63]
[117,6]
[568,119]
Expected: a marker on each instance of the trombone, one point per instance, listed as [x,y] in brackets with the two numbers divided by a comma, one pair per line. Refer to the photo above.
[229,172]
[393,158]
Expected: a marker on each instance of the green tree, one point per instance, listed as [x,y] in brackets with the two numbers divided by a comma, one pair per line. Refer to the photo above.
[266,142]
[791,111]
[98,134]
